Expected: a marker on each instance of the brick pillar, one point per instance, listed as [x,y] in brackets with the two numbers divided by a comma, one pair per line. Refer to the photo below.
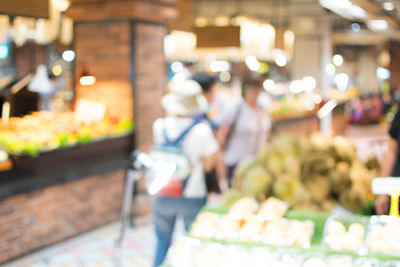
[394,66]
[121,43]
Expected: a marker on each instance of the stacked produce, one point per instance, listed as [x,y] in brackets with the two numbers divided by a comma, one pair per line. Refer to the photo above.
[191,252]
[384,236]
[243,223]
[310,173]
[43,131]
[346,234]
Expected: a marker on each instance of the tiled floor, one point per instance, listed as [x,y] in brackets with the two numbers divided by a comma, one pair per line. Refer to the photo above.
[97,249]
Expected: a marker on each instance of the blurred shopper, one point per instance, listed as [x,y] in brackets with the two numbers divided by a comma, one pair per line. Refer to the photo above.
[207,83]
[181,104]
[390,163]
[246,126]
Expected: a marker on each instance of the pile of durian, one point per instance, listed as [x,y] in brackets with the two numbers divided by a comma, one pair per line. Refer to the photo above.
[314,173]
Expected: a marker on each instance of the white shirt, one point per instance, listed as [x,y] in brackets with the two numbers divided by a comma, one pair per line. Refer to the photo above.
[200,142]
[249,134]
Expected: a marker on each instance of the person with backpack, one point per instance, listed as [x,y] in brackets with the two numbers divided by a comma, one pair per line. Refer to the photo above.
[179,131]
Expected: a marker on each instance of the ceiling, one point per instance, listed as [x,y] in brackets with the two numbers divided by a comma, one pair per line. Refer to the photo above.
[282,12]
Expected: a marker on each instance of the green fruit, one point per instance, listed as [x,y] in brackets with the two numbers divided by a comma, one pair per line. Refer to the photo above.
[257,183]
[230,197]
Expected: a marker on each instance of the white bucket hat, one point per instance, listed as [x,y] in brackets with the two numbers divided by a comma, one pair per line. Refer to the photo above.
[184,99]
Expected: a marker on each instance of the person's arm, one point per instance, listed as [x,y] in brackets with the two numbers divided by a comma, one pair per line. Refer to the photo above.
[209,147]
[389,158]
[388,161]
[209,162]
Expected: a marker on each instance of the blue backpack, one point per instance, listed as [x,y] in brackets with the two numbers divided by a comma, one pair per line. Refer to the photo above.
[171,152]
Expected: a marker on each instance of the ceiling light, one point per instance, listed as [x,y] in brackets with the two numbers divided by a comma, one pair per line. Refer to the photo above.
[269,85]
[296,86]
[225,76]
[342,81]
[68,55]
[338,60]
[388,6]
[357,12]
[222,21]
[87,80]
[330,69]
[382,73]
[344,8]
[176,66]
[377,25]
[201,21]
[309,83]
[57,70]
[281,60]
[252,63]
[61,5]
[3,51]
[355,27]
[219,66]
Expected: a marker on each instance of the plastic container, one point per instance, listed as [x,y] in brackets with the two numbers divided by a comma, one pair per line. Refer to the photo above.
[288,232]
[345,233]
[384,235]
[340,261]
[315,260]
[366,262]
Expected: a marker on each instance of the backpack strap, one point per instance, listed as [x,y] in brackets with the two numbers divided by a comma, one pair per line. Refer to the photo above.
[180,138]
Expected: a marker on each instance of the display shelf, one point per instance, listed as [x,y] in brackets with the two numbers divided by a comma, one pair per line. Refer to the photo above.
[65,164]
[319,220]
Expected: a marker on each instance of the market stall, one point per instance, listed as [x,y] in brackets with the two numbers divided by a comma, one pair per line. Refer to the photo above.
[267,235]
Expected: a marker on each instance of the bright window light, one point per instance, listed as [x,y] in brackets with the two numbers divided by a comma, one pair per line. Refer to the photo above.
[338,60]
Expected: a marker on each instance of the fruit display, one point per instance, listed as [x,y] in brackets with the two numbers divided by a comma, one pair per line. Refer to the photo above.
[384,235]
[244,224]
[191,252]
[346,233]
[314,173]
[271,235]
[42,131]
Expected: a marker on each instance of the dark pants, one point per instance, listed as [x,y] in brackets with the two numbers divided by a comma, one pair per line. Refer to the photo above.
[231,170]
[165,211]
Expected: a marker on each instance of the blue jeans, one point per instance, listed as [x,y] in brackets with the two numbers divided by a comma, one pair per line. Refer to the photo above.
[165,211]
